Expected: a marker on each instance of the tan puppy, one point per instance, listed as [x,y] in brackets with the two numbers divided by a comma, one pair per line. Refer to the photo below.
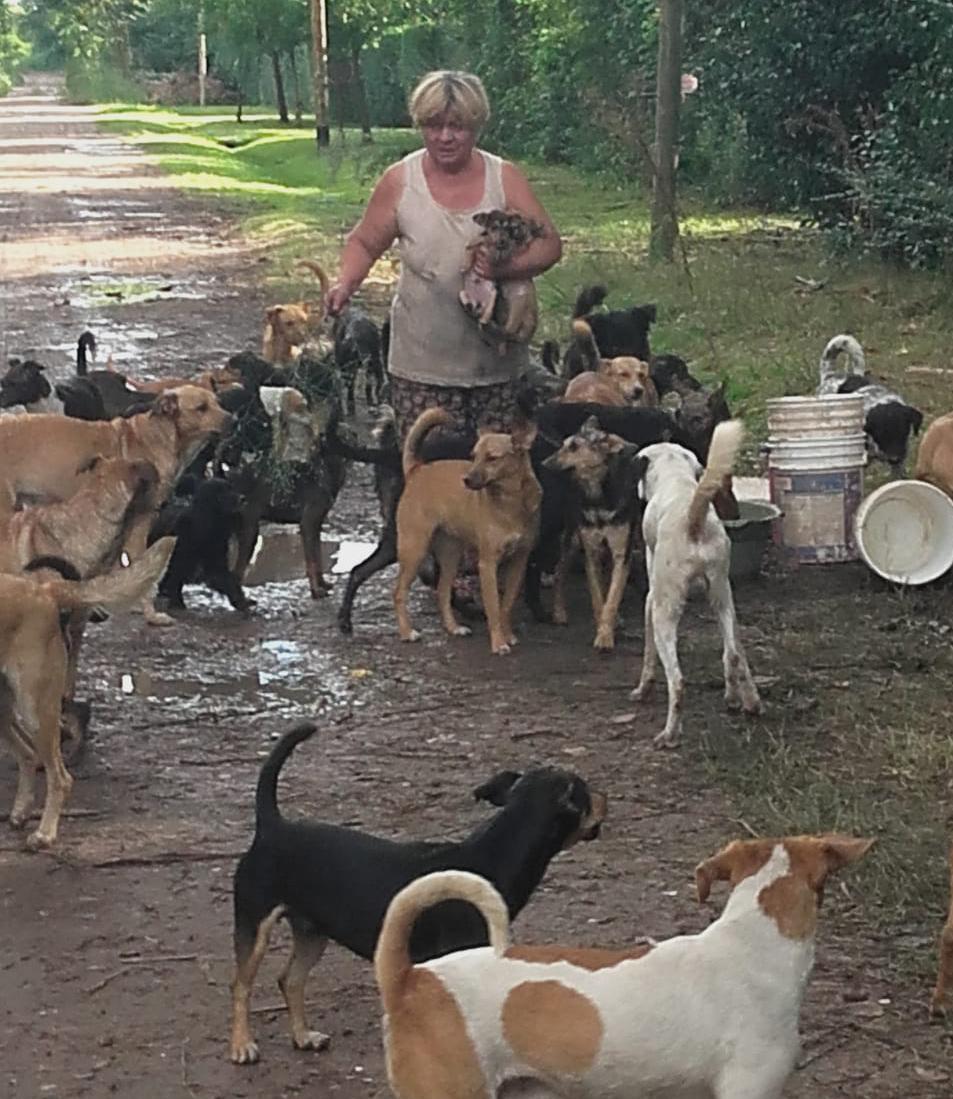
[41,456]
[88,529]
[491,504]
[706,1016]
[290,326]
[624,380]
[33,669]
[935,456]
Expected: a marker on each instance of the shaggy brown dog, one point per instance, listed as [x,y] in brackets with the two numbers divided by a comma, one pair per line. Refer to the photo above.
[935,456]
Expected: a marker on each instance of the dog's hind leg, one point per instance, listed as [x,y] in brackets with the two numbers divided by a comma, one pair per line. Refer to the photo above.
[43,685]
[665,630]
[649,654]
[313,514]
[448,552]
[384,555]
[250,948]
[412,548]
[618,541]
[514,574]
[306,952]
[592,552]
[563,565]
[945,970]
[739,686]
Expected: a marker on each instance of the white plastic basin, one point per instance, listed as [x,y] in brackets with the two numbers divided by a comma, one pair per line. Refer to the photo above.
[904,532]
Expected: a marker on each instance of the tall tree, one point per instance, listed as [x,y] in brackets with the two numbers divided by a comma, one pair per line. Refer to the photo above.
[319,72]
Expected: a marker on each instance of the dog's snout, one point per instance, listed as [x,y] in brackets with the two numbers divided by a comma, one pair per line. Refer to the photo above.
[473,479]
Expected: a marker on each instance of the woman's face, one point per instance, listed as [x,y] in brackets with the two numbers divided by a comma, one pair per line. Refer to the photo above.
[448,142]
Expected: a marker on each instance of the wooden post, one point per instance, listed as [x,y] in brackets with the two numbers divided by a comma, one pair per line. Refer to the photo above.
[319,71]
[664,231]
[203,56]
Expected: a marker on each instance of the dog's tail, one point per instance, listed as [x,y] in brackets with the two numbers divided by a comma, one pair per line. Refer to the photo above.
[392,961]
[318,270]
[118,588]
[431,418]
[856,362]
[725,444]
[585,346]
[549,355]
[588,299]
[266,794]
[85,345]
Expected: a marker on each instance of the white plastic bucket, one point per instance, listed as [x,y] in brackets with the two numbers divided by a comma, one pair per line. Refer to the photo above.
[905,532]
[798,418]
[816,457]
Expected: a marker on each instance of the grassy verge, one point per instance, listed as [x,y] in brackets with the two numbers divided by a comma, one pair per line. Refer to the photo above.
[861,737]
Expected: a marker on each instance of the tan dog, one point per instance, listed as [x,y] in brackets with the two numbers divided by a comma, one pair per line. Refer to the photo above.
[290,326]
[41,456]
[33,671]
[624,380]
[945,971]
[491,504]
[215,380]
[706,1016]
[935,456]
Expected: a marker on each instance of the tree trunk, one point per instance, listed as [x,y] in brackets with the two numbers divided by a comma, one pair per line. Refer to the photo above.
[664,232]
[279,86]
[357,76]
[319,71]
[299,106]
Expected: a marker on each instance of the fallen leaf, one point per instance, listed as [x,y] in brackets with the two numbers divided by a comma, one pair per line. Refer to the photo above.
[931,1075]
[622,719]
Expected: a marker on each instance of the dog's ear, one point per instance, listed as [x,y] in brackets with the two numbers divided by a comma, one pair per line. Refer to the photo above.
[523,434]
[496,790]
[650,312]
[166,404]
[90,464]
[915,416]
[641,468]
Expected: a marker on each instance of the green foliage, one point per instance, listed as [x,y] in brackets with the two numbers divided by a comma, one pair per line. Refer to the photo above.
[13,49]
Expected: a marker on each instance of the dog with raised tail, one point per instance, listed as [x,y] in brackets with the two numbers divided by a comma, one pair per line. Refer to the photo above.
[706,1016]
[685,541]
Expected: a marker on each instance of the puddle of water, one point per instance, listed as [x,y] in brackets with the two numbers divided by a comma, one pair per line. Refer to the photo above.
[99,290]
[279,556]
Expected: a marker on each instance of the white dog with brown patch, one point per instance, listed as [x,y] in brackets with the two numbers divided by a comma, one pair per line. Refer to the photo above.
[708,1016]
[685,541]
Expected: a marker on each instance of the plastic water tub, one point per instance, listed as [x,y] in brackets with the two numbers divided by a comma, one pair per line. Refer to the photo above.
[750,534]
[794,418]
[904,532]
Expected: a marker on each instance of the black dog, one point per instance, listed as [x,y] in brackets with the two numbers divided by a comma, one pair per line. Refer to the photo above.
[336,883]
[888,420]
[617,331]
[670,374]
[205,516]
[357,346]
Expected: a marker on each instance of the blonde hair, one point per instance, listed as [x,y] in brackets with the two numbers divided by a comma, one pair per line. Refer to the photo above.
[448,91]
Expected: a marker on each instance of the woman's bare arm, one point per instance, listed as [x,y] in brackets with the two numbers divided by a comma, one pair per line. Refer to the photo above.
[369,239]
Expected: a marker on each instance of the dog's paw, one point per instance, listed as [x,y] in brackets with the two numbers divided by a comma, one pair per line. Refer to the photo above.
[604,642]
[501,649]
[38,841]
[751,705]
[312,1039]
[245,1053]
[159,618]
[560,617]
[667,739]
[642,692]
[460,631]
[414,635]
[937,1006]
[19,817]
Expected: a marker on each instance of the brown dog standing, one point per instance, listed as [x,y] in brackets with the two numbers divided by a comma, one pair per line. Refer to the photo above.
[491,504]
[290,326]
[42,456]
[623,380]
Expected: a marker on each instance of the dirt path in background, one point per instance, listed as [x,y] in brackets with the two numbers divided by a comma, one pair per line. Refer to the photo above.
[115,952]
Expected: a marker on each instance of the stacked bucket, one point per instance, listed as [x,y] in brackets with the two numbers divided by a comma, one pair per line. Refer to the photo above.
[816,457]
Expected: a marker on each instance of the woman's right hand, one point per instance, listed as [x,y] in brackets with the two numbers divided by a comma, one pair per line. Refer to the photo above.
[337,297]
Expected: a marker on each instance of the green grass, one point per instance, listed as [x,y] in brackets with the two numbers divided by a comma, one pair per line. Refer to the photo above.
[872,757]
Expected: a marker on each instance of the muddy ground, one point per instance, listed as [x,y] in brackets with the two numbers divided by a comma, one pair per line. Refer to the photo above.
[115,950]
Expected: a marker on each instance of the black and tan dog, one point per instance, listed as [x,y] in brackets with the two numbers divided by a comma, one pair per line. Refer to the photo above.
[34,670]
[357,347]
[490,504]
[507,311]
[334,883]
[605,512]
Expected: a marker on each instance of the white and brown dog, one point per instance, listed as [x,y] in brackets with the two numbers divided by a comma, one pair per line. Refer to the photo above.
[713,1015]
[685,541]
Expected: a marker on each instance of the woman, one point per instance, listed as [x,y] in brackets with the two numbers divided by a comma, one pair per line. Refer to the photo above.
[426,202]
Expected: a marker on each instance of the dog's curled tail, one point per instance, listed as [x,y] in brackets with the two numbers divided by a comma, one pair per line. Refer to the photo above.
[428,419]
[725,444]
[118,588]
[318,270]
[588,299]
[85,345]
[392,961]
[856,362]
[266,793]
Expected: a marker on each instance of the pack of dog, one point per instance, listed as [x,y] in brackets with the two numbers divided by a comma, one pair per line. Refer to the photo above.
[335,884]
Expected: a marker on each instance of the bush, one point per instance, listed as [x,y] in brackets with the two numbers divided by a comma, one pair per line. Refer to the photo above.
[100,84]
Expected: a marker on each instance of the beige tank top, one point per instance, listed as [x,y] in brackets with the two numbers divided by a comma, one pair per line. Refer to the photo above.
[432,339]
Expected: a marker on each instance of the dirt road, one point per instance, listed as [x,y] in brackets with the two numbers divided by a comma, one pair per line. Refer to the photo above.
[115,952]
